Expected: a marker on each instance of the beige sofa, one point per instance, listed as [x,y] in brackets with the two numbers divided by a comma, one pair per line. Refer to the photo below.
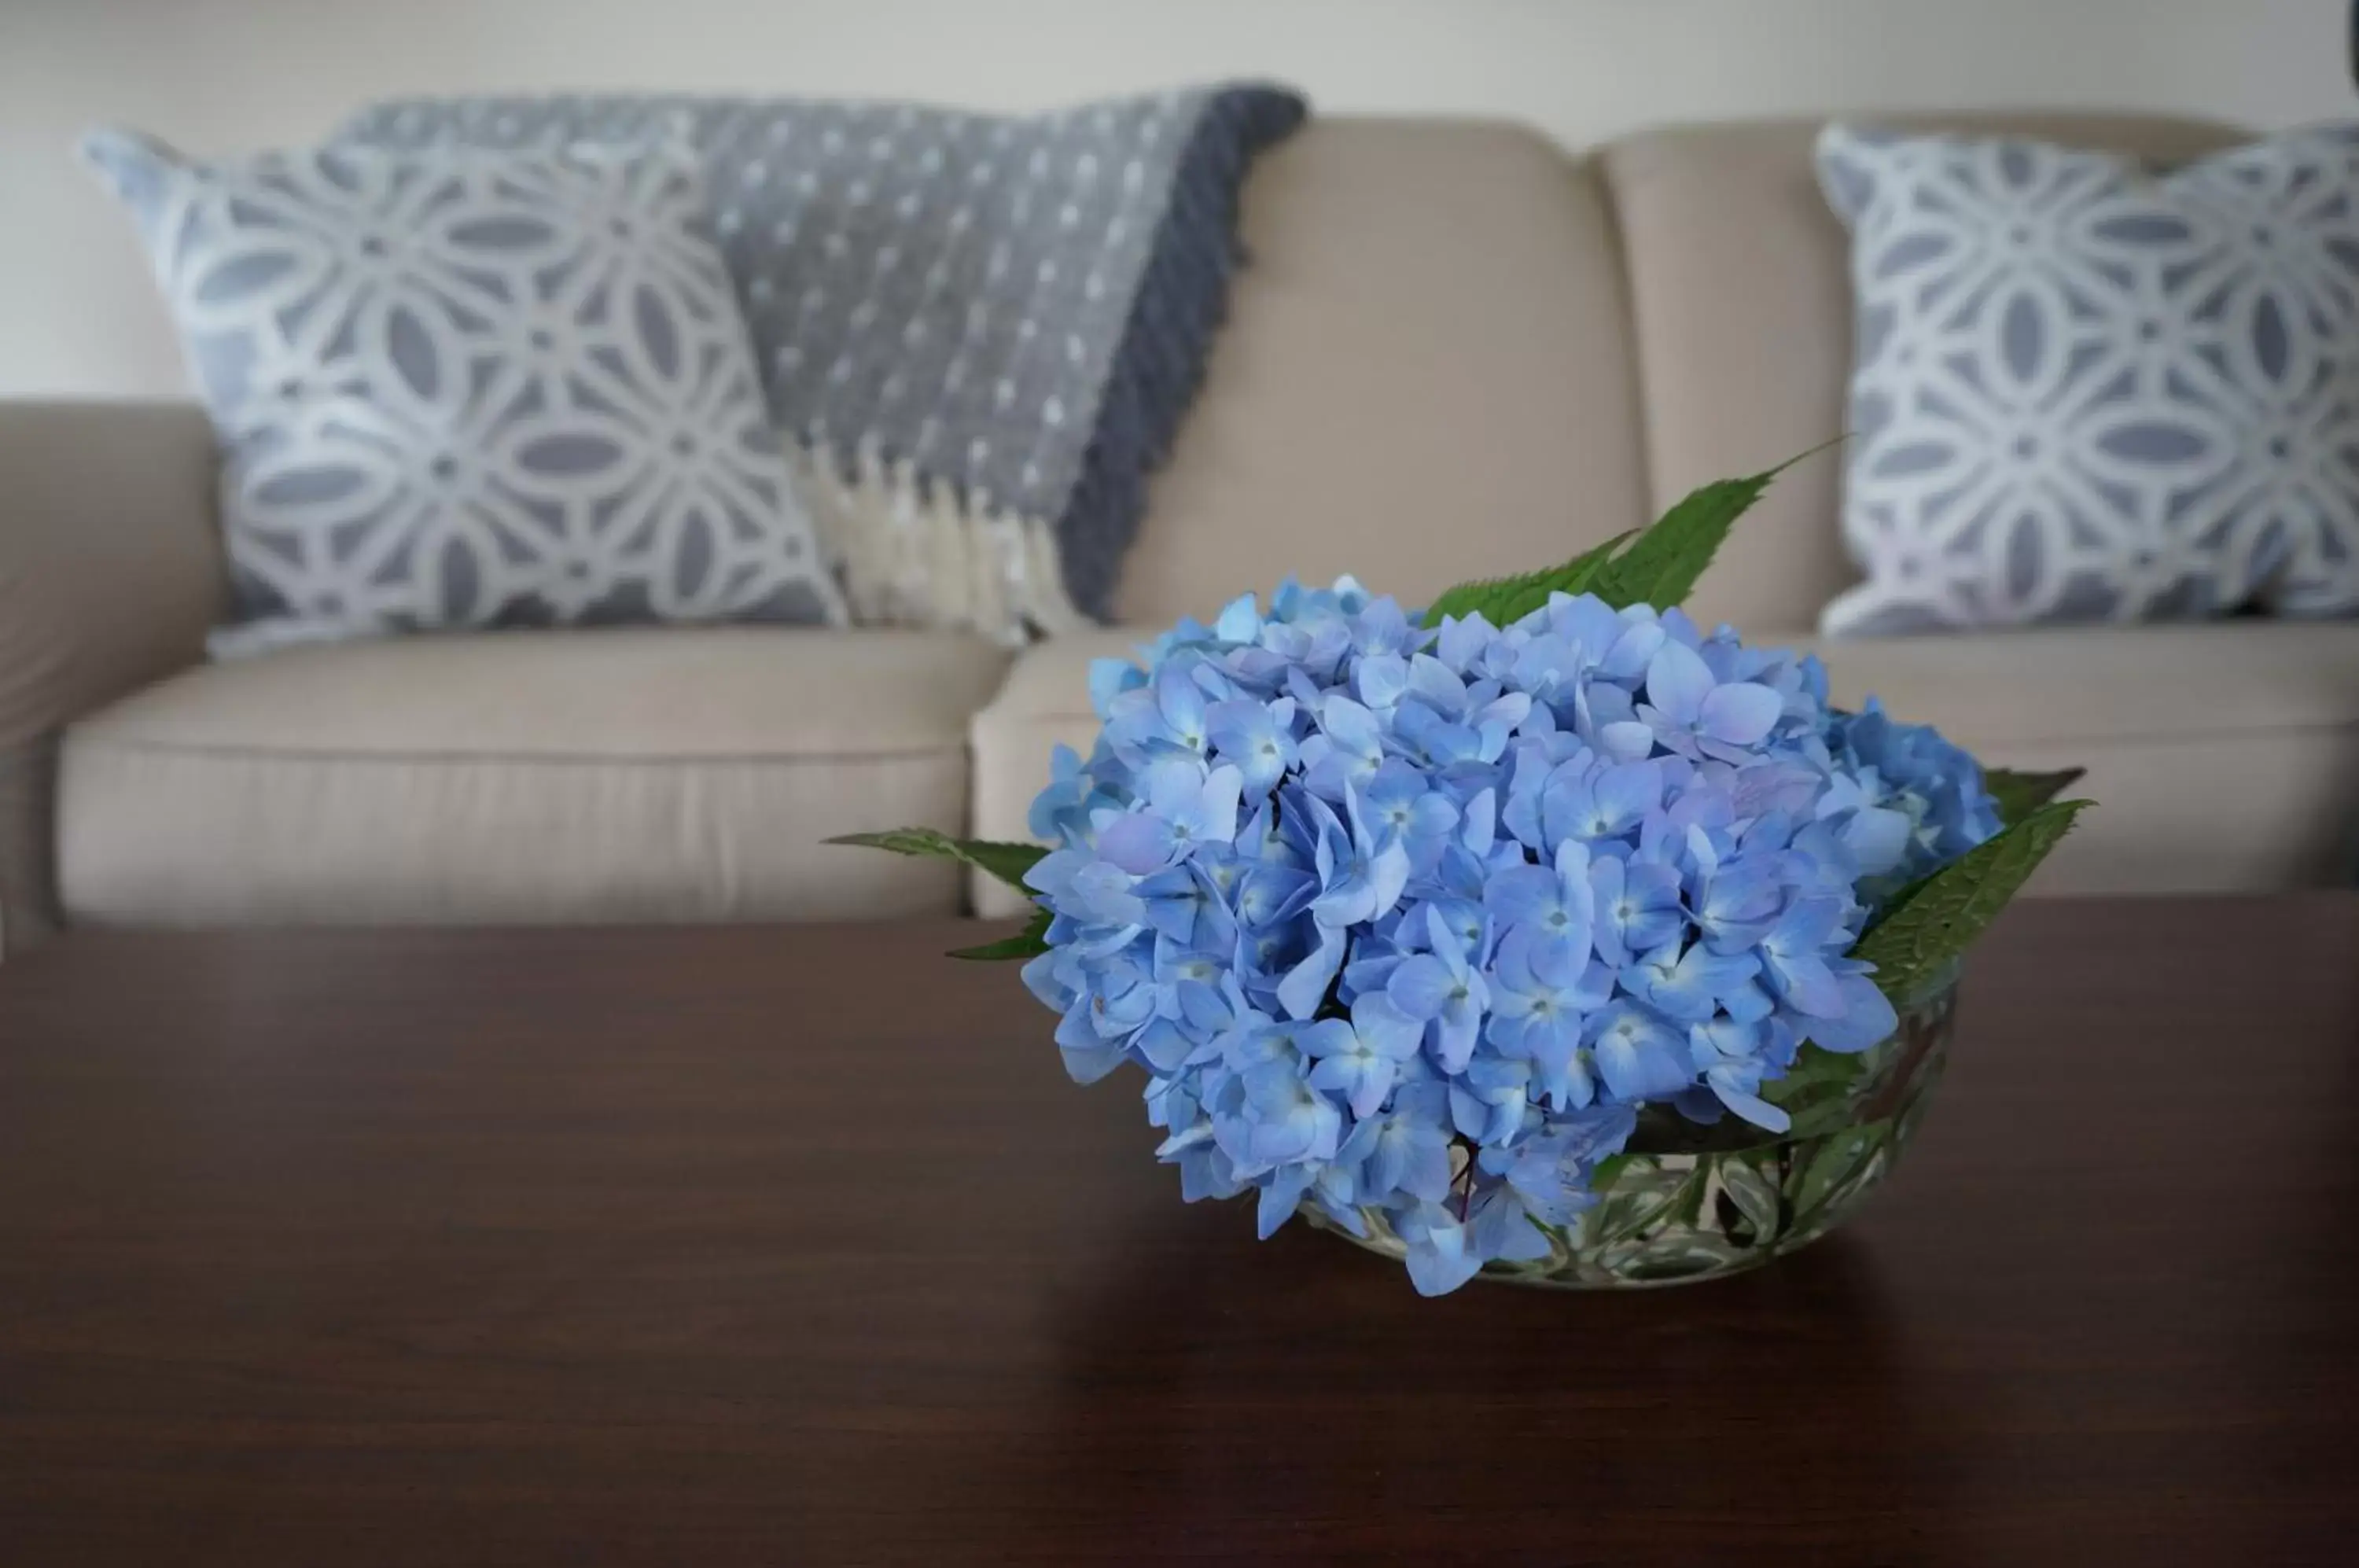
[1457,352]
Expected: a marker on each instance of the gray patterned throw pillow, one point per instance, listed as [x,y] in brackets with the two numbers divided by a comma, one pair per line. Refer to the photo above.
[459,389]
[2087,392]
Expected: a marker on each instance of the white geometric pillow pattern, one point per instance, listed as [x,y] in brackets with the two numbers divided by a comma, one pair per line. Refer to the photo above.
[2082,392]
[472,389]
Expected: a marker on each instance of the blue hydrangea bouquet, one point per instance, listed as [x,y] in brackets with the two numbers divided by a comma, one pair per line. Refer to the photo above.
[1542,934]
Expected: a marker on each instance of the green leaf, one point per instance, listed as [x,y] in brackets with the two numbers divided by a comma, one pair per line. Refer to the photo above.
[1671,1257]
[1932,924]
[1636,1194]
[2020,794]
[1500,600]
[1662,567]
[1817,1092]
[1008,862]
[1031,941]
[1816,1074]
[1830,1170]
[1752,1194]
[1686,1207]
[1820,1118]
[1659,568]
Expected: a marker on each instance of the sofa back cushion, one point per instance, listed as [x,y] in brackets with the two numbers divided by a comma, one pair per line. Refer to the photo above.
[1741,312]
[1427,375]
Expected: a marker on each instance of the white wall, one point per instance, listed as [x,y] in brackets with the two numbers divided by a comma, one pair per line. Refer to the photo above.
[78,314]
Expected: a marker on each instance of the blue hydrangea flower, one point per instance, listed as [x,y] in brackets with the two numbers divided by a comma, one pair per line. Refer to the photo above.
[1406,923]
[1922,797]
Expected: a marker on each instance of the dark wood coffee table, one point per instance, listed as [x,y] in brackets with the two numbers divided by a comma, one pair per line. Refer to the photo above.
[796,1247]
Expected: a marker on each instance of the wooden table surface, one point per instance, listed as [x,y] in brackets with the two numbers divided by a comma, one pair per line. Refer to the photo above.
[796,1246]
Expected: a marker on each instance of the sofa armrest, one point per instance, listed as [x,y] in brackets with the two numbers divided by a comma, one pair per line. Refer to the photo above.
[111,574]
[1044,700]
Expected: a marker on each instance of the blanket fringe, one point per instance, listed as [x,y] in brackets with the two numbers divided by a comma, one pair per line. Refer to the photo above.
[913,551]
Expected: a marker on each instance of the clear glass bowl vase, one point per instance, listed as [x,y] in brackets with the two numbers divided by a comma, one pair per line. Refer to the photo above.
[1686,1203]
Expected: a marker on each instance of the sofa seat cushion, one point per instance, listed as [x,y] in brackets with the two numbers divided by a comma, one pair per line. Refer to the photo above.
[2224,757]
[580,776]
